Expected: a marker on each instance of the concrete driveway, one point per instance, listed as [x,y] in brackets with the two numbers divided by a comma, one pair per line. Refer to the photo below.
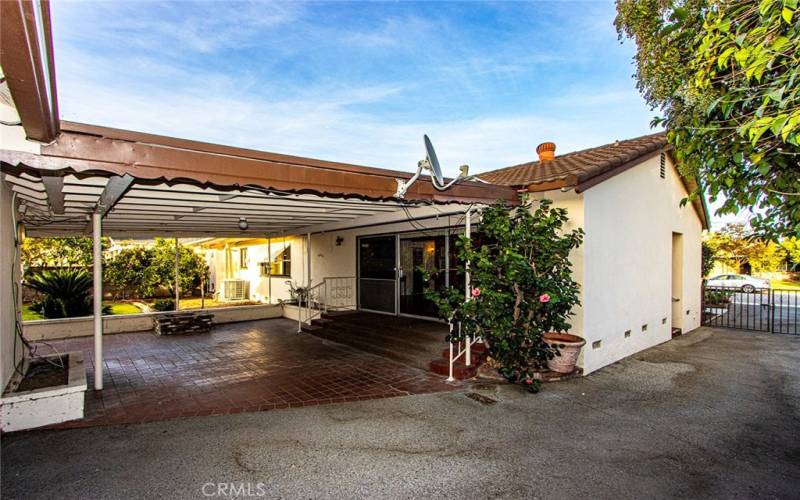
[711,414]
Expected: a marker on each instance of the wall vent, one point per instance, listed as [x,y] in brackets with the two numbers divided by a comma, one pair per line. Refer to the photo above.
[663,168]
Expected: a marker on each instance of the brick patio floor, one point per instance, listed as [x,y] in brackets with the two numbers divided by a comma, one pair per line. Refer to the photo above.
[252,366]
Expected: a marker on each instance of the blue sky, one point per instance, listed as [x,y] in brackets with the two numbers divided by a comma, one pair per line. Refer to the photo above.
[354,82]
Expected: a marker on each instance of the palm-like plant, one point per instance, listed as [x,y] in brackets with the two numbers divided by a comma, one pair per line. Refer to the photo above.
[67,292]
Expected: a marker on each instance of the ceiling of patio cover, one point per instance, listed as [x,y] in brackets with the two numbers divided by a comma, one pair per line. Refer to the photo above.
[61,205]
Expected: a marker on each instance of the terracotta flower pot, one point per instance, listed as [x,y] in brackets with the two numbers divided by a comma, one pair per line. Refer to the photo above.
[569,346]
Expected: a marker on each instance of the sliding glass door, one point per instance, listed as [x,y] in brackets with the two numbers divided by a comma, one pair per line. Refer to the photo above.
[417,255]
[377,273]
[391,271]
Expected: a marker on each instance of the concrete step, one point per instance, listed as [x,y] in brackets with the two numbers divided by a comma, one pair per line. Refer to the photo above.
[321,321]
[418,358]
[386,330]
[477,357]
[347,335]
[311,328]
[397,324]
[460,370]
[406,340]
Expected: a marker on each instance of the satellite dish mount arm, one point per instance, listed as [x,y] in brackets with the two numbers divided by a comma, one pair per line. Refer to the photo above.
[403,185]
[431,164]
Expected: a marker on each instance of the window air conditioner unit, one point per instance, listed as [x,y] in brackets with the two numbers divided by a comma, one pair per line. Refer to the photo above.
[236,289]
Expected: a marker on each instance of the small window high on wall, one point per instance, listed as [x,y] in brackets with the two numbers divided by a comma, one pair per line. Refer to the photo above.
[243,258]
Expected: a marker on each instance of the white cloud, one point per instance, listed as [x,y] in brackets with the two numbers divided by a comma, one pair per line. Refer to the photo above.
[156,90]
[322,124]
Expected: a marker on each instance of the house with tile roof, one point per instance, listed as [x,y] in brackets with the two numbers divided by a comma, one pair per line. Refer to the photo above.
[345,234]
[640,264]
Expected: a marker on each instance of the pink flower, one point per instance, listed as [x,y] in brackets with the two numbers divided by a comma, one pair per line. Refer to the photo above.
[543,298]
[528,381]
[476,292]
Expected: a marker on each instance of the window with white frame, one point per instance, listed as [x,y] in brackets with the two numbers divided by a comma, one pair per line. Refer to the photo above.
[280,264]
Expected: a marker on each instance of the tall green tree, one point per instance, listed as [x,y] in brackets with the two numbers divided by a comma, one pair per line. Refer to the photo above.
[792,248]
[734,245]
[59,252]
[143,269]
[725,75]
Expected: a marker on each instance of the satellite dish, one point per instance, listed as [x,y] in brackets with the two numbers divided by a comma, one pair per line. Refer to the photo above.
[431,164]
[433,161]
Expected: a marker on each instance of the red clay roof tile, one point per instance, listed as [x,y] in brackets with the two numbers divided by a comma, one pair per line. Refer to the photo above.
[579,166]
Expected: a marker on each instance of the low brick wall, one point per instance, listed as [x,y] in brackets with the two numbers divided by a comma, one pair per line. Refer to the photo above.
[183,323]
[51,329]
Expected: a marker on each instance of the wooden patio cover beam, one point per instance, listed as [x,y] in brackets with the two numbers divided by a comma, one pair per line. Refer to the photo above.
[86,148]
[26,56]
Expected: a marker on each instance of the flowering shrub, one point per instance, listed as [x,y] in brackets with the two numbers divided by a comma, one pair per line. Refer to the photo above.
[522,286]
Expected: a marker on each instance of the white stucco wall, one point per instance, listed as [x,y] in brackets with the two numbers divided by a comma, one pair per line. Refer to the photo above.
[51,329]
[574,205]
[629,222]
[330,260]
[327,259]
[11,138]
[7,323]
[256,253]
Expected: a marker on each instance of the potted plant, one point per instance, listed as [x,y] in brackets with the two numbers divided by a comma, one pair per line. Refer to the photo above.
[568,348]
[522,289]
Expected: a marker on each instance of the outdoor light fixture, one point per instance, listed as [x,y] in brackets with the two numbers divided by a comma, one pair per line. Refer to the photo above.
[243,225]
[339,241]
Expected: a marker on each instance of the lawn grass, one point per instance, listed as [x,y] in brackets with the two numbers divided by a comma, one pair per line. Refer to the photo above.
[194,303]
[120,308]
[30,315]
[117,309]
[785,285]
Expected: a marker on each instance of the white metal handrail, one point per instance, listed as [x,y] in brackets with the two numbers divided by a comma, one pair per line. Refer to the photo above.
[458,351]
[312,295]
[339,292]
[331,293]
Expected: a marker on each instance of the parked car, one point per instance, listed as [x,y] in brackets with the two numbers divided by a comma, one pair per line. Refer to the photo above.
[747,284]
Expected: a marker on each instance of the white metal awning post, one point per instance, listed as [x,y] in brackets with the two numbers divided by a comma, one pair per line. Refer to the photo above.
[468,287]
[269,268]
[467,351]
[308,258]
[177,274]
[97,302]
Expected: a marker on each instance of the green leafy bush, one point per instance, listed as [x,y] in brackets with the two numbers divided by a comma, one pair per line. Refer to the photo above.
[59,252]
[718,297]
[143,269]
[66,292]
[522,286]
[164,305]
